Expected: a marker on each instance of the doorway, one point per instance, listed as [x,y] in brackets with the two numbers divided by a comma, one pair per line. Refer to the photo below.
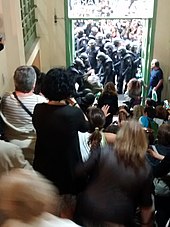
[124,12]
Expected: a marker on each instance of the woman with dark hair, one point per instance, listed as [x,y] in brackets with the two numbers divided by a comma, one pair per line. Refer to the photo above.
[109,97]
[147,120]
[161,115]
[95,137]
[57,124]
[120,180]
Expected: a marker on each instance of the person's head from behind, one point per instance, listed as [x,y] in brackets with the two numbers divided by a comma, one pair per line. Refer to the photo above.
[123,115]
[96,119]
[150,111]
[161,113]
[25,195]
[24,79]
[86,101]
[133,84]
[138,111]
[109,88]
[58,84]
[131,144]
[164,135]
[150,102]
[112,128]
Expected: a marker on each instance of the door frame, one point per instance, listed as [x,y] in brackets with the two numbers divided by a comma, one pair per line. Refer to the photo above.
[147,42]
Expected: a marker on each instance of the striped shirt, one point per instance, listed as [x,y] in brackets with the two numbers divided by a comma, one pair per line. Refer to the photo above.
[15,114]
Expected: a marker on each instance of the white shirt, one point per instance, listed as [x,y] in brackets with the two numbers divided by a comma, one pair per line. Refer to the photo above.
[84,147]
[45,220]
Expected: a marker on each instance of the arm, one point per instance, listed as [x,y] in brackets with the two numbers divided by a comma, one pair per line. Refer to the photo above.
[155,154]
[147,216]
[163,168]
[86,168]
[158,85]
[146,202]
[73,102]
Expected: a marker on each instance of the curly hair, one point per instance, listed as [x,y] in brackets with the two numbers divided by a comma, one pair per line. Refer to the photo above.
[58,84]
[134,84]
[96,119]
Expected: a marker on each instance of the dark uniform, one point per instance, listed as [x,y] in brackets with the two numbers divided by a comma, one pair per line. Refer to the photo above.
[106,69]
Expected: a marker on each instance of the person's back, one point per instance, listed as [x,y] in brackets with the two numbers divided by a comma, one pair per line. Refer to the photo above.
[109,97]
[57,124]
[118,182]
[18,122]
[95,137]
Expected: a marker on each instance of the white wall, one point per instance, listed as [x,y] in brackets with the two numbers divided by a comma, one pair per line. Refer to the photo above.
[52,35]
[162,43]
[13,54]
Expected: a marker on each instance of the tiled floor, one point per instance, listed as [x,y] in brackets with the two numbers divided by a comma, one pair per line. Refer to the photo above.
[122,98]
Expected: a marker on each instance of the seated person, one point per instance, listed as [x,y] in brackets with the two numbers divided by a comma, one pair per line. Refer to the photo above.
[161,116]
[138,111]
[159,157]
[147,119]
[134,91]
[18,122]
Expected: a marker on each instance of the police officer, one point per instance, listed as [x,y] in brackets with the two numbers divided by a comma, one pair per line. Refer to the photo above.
[106,69]
[125,67]
[92,51]
[77,70]
[80,42]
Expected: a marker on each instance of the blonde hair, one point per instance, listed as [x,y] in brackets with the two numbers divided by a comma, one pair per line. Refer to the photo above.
[138,111]
[131,144]
[25,194]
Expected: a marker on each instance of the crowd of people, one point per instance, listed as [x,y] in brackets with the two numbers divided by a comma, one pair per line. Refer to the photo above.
[98,155]
[107,50]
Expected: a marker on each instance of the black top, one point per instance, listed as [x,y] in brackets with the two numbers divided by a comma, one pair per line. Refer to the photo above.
[114,191]
[112,101]
[57,146]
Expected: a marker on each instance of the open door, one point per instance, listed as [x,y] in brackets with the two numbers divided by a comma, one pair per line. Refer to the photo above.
[123,9]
